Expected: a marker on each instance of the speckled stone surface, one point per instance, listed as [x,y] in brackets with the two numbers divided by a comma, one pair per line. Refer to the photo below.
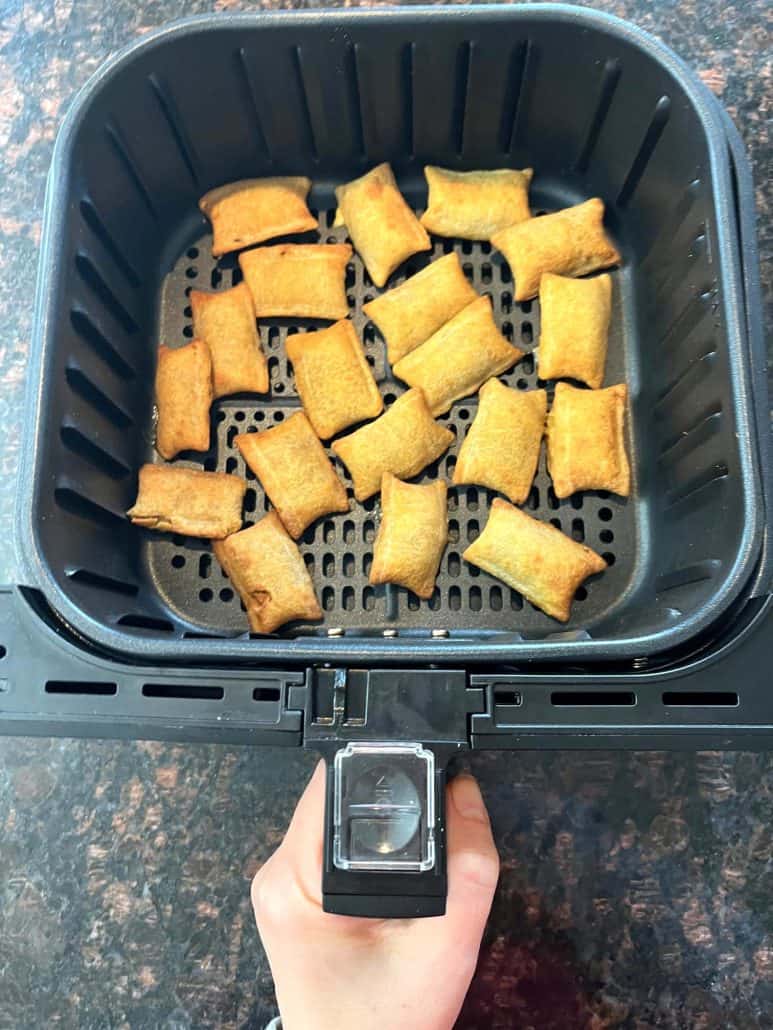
[636,889]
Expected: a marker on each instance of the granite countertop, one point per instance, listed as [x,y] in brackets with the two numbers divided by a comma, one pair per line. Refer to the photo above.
[636,888]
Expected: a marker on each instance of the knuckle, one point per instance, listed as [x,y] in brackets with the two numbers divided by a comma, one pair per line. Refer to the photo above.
[480,868]
[263,893]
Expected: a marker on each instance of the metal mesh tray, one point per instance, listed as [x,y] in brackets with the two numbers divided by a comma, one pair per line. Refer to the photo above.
[338,550]
[614,115]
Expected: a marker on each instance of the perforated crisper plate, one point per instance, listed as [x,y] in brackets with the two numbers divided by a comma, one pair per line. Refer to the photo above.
[338,550]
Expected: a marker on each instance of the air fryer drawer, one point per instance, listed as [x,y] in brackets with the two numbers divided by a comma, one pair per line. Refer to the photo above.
[597,109]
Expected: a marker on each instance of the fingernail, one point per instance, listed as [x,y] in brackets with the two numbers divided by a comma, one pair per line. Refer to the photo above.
[467,797]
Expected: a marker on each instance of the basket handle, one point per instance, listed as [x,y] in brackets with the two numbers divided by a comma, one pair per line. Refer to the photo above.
[384,850]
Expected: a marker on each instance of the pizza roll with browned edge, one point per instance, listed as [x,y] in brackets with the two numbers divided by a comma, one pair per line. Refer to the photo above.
[301,280]
[457,359]
[297,475]
[408,315]
[269,574]
[333,378]
[253,210]
[534,558]
[183,397]
[404,440]
[574,326]
[475,205]
[173,499]
[586,440]
[412,535]
[568,242]
[501,449]
[226,323]
[382,227]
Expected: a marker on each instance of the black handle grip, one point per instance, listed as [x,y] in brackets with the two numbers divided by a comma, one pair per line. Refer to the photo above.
[385,848]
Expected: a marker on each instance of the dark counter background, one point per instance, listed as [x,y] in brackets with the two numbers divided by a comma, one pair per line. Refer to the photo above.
[636,889]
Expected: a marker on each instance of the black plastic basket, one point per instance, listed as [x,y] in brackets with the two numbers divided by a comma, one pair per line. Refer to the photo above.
[598,109]
[121,632]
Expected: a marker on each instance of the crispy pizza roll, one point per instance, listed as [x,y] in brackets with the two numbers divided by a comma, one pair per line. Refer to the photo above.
[303,280]
[403,441]
[183,397]
[269,574]
[412,312]
[501,449]
[226,323]
[586,440]
[574,320]
[333,378]
[382,227]
[457,359]
[475,205]
[534,558]
[253,210]
[412,535]
[568,242]
[295,472]
[173,499]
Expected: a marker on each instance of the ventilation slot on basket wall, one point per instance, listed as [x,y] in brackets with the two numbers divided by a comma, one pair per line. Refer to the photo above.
[610,77]
[76,442]
[94,280]
[99,401]
[81,687]
[654,132]
[592,698]
[183,691]
[76,503]
[701,699]
[101,346]
[122,151]
[97,226]
[248,98]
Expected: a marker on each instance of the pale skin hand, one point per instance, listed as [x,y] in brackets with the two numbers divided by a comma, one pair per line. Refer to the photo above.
[341,973]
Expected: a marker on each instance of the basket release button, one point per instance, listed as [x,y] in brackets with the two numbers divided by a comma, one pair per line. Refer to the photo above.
[384,808]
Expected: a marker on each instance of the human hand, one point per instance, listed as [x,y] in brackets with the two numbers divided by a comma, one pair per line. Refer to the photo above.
[348,973]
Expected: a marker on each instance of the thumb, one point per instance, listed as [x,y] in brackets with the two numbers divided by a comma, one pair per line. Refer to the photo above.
[473,862]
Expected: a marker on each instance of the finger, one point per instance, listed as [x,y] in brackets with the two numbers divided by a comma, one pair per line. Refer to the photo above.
[296,864]
[301,848]
[472,859]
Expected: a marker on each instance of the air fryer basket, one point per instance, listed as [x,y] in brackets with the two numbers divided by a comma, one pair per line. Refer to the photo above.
[597,109]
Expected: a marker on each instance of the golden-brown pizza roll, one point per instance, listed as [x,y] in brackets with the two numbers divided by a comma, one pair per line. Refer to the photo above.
[568,242]
[457,359]
[501,449]
[382,227]
[295,472]
[412,312]
[253,210]
[303,280]
[475,205]
[173,499]
[403,441]
[269,574]
[333,378]
[586,440]
[574,325]
[533,558]
[412,535]
[183,397]
[226,323]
